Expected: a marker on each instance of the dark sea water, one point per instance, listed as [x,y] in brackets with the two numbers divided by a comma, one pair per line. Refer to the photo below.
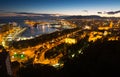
[30,31]
[34,31]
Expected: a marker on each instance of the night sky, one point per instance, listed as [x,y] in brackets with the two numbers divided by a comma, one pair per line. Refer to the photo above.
[67,7]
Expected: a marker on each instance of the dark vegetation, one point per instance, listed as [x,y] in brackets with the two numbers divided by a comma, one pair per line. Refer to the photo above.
[41,39]
[67,49]
[97,60]
[90,17]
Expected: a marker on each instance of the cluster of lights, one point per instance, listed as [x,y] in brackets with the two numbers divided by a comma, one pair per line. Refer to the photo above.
[70,41]
[17,55]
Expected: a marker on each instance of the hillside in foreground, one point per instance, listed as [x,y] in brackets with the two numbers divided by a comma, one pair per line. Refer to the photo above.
[98,60]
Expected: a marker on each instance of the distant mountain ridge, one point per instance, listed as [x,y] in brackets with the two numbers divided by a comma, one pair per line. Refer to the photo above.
[32,16]
[89,17]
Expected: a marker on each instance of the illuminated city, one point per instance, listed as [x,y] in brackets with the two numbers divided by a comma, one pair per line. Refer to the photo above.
[57,41]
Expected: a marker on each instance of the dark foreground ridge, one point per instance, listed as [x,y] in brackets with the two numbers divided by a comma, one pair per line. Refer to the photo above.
[98,60]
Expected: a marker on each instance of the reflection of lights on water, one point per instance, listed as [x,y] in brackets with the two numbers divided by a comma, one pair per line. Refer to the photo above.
[31,37]
[43,28]
[48,25]
[32,30]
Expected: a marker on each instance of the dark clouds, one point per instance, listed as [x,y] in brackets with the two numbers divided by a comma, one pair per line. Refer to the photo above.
[2,10]
[26,13]
[110,12]
[113,12]
[4,13]
[85,11]
[99,12]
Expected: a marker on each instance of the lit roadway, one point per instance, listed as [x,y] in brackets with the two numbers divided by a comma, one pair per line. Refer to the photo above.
[39,51]
[40,58]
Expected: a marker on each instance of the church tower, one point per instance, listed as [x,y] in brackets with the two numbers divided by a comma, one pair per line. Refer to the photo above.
[111,24]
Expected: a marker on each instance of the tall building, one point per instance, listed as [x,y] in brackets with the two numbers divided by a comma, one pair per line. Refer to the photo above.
[5,64]
[111,24]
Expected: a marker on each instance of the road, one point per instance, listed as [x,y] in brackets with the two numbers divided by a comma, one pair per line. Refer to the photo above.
[40,56]
[39,51]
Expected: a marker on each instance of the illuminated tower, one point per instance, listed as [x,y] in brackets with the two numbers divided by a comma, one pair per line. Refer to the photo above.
[5,64]
[111,24]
